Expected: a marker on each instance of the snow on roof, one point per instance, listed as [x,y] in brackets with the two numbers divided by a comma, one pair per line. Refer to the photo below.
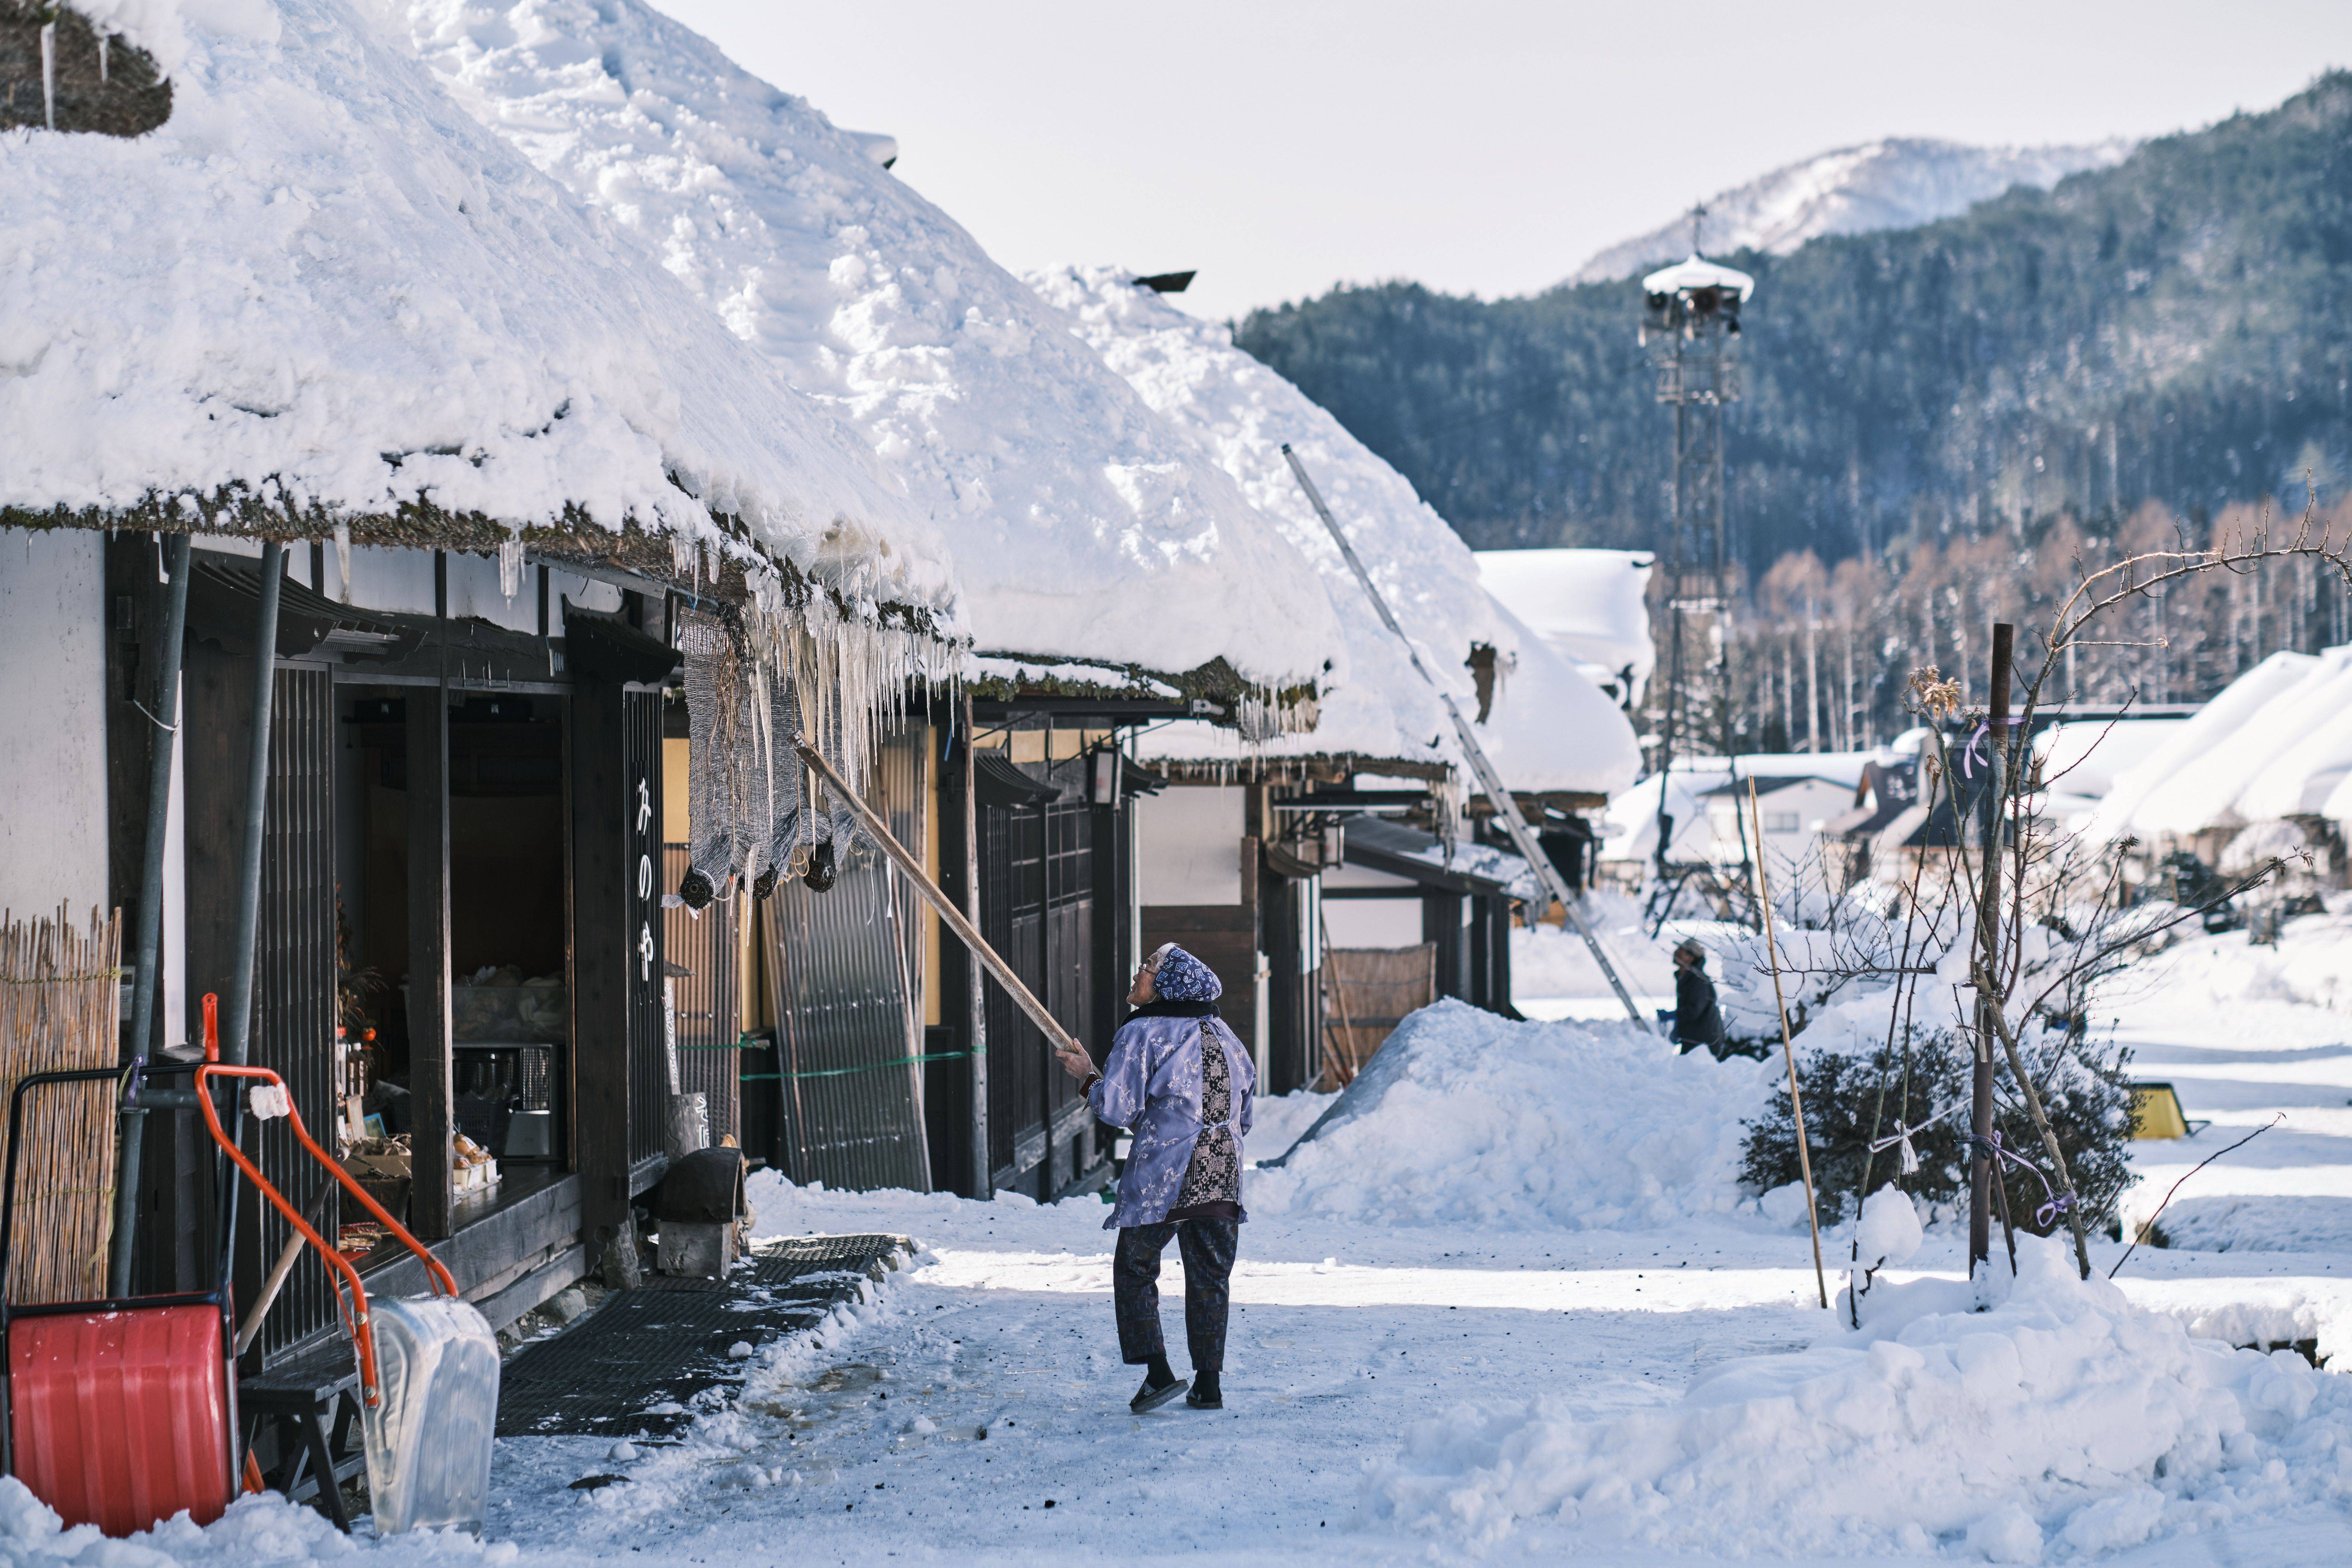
[1630,825]
[1590,605]
[319,292]
[1083,527]
[2085,756]
[1695,271]
[2196,780]
[1549,729]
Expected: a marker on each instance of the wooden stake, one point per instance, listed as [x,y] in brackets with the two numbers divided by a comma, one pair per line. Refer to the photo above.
[1788,1055]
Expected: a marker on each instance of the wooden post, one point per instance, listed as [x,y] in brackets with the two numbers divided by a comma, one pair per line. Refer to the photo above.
[983,1171]
[1981,1175]
[601,873]
[430,1101]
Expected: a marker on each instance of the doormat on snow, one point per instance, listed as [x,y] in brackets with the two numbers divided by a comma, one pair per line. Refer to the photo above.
[635,1366]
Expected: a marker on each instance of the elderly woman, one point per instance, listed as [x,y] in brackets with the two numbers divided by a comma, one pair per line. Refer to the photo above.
[1179,1079]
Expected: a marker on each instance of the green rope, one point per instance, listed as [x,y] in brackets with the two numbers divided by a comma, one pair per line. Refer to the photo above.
[838,1072]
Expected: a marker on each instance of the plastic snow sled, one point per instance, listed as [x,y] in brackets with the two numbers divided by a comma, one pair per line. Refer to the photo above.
[116,1412]
[428,1366]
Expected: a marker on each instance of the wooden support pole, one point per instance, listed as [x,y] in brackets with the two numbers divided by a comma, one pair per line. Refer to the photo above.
[1057,1036]
[1981,1175]
[431,1103]
[983,1170]
[1788,1055]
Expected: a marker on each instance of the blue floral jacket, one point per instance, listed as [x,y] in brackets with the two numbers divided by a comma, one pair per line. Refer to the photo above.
[1151,1086]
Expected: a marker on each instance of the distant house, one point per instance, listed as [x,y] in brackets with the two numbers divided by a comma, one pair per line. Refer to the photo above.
[1785,822]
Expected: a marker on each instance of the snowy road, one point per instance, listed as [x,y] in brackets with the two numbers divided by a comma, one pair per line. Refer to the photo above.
[1507,1381]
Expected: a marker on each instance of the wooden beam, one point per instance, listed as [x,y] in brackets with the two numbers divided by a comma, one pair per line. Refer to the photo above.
[431,1112]
[600,954]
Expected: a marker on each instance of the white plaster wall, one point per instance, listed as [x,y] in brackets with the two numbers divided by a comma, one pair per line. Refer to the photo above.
[52,722]
[1188,845]
[1373,922]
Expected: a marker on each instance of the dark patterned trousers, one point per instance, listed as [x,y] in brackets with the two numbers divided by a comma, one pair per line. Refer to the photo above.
[1207,1247]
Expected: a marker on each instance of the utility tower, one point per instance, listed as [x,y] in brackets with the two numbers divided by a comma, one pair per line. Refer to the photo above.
[1690,332]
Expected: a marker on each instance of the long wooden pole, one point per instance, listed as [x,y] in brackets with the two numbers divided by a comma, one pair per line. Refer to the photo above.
[1981,1172]
[1788,1055]
[983,1169]
[1060,1038]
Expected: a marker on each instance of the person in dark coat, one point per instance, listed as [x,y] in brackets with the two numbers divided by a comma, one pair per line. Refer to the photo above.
[1698,1021]
[1178,1077]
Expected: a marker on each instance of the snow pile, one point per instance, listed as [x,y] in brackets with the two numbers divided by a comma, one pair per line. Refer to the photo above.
[263,1528]
[1468,1118]
[1591,606]
[1550,728]
[1083,526]
[1550,961]
[322,281]
[2062,1419]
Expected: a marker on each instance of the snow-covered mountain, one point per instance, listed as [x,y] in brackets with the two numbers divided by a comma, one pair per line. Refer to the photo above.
[1896,182]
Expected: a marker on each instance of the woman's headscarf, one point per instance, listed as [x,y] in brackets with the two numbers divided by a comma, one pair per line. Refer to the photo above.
[1178,976]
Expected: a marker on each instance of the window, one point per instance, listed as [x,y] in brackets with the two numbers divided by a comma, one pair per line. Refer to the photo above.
[1779,822]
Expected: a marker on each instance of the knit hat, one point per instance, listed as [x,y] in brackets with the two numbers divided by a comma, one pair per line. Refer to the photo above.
[1178,976]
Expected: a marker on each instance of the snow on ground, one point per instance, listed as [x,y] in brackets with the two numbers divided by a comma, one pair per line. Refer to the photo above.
[1083,526]
[1508,1309]
[2063,1417]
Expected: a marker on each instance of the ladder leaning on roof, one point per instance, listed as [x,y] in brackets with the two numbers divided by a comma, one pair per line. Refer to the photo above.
[1506,808]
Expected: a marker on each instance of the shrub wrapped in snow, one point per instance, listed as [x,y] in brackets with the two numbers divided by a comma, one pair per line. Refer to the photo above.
[1465,1116]
[1843,1064]
[2061,1415]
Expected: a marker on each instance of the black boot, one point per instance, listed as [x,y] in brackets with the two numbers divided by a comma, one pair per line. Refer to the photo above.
[1160,1384]
[1205,1394]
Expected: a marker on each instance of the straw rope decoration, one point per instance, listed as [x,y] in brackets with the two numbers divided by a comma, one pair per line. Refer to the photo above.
[58,1002]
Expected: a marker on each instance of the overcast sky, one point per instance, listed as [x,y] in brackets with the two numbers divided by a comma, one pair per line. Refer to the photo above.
[1479,146]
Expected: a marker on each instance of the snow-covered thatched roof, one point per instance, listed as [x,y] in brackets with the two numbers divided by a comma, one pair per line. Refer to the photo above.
[2275,742]
[320,295]
[1550,730]
[1084,527]
[1590,605]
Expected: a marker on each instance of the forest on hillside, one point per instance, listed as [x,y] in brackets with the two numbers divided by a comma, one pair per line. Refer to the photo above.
[1821,652]
[2170,334]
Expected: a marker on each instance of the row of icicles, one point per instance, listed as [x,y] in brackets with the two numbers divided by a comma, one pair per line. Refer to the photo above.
[49,71]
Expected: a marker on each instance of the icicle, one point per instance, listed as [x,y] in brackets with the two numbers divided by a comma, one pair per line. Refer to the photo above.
[511,567]
[1910,1157]
[163,573]
[49,73]
[103,40]
[343,557]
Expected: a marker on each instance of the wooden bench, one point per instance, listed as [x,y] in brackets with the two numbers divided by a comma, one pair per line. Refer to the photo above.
[302,1396]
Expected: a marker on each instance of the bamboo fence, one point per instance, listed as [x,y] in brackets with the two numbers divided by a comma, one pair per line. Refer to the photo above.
[59,993]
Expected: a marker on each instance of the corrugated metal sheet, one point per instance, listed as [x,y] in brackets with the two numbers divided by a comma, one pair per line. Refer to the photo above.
[844,967]
[294,994]
[707,999]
